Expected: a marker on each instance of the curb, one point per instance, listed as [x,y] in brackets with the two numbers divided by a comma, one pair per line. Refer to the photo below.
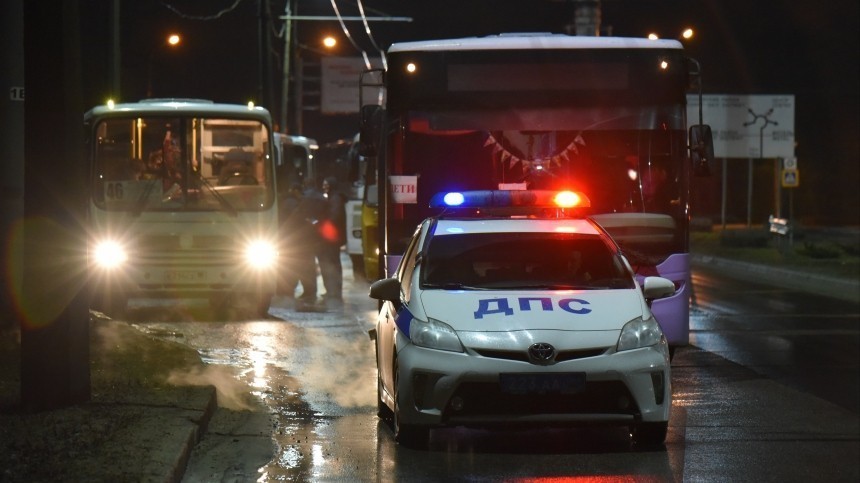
[195,435]
[839,288]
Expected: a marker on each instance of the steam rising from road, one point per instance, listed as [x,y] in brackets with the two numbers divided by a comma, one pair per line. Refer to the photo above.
[342,369]
[231,392]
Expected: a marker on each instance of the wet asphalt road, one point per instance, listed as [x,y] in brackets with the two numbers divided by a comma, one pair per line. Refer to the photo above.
[768,391]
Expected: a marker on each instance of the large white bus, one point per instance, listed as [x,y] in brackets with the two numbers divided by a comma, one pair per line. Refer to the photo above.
[182,203]
[605,116]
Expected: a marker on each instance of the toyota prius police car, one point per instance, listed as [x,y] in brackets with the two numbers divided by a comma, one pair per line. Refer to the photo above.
[511,309]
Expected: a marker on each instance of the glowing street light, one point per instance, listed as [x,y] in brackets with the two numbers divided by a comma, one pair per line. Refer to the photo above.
[171,41]
[687,33]
[329,42]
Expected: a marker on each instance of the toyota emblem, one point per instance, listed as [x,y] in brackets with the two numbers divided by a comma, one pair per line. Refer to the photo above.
[541,353]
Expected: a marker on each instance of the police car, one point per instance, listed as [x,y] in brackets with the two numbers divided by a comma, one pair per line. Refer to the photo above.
[512,309]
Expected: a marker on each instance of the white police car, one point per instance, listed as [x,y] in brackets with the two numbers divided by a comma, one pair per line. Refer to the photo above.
[518,317]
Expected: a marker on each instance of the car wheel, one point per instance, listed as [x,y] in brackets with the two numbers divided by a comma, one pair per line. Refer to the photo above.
[409,435]
[649,435]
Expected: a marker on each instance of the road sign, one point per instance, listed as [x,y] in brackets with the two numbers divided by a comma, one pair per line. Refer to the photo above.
[789,163]
[339,88]
[790,178]
[745,125]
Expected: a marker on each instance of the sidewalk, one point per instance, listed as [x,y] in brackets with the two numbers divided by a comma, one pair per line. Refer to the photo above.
[837,287]
[806,265]
[137,427]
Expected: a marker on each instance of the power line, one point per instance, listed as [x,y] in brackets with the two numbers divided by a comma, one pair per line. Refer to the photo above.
[216,16]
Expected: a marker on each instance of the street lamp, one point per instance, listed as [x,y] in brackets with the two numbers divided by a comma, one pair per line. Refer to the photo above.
[172,41]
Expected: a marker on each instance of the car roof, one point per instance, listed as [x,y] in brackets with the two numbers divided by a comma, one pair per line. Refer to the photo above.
[459,226]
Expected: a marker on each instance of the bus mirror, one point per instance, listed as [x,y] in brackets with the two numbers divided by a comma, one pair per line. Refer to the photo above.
[368,136]
[701,149]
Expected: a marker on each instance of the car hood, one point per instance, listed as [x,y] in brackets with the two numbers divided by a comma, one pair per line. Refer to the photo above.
[481,311]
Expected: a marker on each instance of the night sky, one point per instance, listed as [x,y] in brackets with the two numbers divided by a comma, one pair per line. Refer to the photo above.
[805,48]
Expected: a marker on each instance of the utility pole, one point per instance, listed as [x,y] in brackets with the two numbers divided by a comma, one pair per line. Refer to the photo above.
[265,87]
[290,43]
[53,303]
[115,51]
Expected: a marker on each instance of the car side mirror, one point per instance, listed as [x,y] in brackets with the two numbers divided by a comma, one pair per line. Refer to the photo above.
[657,288]
[387,289]
[701,149]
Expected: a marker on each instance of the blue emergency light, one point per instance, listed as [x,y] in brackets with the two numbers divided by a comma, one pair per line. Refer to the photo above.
[510,199]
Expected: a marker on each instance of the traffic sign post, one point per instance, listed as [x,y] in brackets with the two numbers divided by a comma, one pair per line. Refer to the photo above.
[790,177]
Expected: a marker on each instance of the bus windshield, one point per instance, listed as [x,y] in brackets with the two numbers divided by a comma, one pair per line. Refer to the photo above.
[628,160]
[180,163]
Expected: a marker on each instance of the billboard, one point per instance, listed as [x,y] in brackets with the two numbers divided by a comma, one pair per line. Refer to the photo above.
[339,83]
[747,126]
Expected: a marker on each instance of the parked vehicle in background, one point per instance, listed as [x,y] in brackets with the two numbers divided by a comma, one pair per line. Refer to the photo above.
[294,160]
[182,203]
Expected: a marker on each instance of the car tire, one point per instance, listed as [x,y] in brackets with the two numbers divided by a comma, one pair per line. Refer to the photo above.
[382,410]
[408,435]
[649,435]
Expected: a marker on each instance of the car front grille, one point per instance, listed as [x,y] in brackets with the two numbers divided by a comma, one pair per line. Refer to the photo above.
[481,399]
[523,356]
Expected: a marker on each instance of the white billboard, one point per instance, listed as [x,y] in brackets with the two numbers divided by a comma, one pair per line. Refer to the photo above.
[339,83]
[744,124]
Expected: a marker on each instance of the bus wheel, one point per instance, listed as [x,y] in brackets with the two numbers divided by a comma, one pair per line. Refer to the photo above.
[264,300]
[112,303]
[358,267]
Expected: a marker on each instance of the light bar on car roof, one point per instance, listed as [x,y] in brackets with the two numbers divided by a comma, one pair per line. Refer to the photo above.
[510,199]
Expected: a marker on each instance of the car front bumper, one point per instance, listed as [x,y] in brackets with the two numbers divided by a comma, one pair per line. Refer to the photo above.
[440,388]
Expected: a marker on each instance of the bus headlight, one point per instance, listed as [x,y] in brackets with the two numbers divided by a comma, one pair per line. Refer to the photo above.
[261,254]
[109,254]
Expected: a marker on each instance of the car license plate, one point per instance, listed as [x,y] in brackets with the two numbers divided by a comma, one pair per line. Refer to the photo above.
[525,383]
[185,275]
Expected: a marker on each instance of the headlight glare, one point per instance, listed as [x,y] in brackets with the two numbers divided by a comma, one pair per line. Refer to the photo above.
[434,334]
[639,333]
[109,254]
[261,254]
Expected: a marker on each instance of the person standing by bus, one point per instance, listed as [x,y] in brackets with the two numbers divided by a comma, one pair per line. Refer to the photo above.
[332,231]
[299,239]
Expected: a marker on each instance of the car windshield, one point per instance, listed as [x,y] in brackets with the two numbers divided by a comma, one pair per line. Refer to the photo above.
[539,261]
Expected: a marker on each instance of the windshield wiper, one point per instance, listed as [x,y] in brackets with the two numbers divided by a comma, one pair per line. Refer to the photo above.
[144,197]
[453,286]
[546,286]
[223,201]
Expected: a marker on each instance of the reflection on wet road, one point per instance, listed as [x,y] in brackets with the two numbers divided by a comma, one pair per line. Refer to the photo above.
[756,404]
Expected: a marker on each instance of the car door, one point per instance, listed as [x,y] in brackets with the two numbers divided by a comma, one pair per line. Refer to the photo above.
[387,326]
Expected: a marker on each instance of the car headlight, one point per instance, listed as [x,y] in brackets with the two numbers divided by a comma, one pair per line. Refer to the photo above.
[639,333]
[434,334]
[109,254]
[261,254]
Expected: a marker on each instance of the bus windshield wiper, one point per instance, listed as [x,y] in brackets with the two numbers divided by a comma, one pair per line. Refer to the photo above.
[223,201]
[144,197]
